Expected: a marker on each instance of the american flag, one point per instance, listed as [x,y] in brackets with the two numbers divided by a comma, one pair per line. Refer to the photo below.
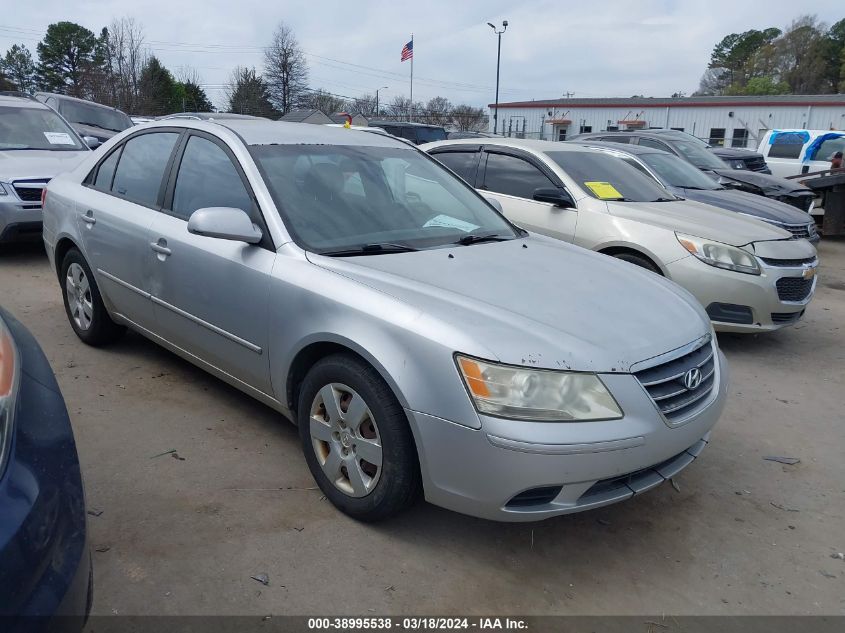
[408,51]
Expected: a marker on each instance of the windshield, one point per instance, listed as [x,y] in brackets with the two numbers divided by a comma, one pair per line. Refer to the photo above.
[104,118]
[609,178]
[678,173]
[697,154]
[335,198]
[35,128]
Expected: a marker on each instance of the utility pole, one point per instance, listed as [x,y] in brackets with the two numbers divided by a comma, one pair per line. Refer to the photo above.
[377,89]
[498,65]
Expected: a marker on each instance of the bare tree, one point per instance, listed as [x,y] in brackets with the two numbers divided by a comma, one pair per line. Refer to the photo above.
[438,111]
[365,104]
[127,55]
[285,69]
[323,101]
[469,119]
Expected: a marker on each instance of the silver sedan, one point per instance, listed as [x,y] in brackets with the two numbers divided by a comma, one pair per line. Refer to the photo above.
[418,339]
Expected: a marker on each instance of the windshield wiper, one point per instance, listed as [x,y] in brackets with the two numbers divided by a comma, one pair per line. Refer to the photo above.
[466,240]
[371,249]
[102,127]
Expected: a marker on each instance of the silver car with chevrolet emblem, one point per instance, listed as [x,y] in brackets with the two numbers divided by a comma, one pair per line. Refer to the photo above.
[749,275]
[419,340]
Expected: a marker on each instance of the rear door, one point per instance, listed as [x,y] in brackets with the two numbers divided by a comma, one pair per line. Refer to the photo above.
[209,294]
[511,179]
[115,211]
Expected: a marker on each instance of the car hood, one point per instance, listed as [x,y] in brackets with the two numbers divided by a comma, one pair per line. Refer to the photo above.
[700,220]
[30,164]
[733,152]
[535,301]
[764,183]
[749,203]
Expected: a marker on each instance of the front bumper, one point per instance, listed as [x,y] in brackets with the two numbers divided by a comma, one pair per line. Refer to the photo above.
[481,471]
[45,566]
[714,286]
[19,221]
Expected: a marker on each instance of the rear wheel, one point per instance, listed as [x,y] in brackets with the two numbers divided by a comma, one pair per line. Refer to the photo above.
[356,439]
[84,305]
[638,260]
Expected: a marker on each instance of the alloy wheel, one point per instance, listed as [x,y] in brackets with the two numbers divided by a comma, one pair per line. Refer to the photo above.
[78,291]
[346,439]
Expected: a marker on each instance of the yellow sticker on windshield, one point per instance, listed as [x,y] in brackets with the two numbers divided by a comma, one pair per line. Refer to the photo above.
[604,190]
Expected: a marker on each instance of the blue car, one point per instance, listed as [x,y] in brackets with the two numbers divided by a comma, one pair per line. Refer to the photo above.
[45,564]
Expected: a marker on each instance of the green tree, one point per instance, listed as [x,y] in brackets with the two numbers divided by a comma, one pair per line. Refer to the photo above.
[159,93]
[760,86]
[19,68]
[5,84]
[195,98]
[248,94]
[67,54]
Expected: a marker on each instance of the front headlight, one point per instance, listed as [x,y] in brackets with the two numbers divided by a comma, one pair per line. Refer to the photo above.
[8,391]
[537,394]
[738,164]
[720,255]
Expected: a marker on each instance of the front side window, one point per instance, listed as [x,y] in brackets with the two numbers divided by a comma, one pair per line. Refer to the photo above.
[335,198]
[207,178]
[648,142]
[141,167]
[606,177]
[36,128]
[465,164]
[513,176]
[829,147]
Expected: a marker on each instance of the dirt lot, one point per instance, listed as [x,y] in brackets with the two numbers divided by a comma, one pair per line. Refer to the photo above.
[183,535]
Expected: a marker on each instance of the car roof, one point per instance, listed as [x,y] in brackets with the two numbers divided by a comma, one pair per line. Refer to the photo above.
[257,131]
[518,143]
[13,100]
[69,98]
[621,147]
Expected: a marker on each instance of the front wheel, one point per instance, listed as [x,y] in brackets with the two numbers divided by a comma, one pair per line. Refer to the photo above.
[639,260]
[356,439]
[83,304]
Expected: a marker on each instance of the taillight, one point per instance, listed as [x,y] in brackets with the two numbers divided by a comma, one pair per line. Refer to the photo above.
[43,196]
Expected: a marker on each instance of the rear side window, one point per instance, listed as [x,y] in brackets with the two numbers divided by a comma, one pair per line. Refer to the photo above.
[786,145]
[647,142]
[465,164]
[105,174]
[207,178]
[616,139]
[513,176]
[141,167]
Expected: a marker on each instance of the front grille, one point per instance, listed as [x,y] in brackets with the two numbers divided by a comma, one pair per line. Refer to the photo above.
[30,190]
[665,383]
[29,194]
[756,163]
[782,318]
[797,230]
[794,288]
[788,263]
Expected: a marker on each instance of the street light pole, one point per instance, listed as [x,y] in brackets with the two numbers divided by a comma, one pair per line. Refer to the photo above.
[377,89]
[498,65]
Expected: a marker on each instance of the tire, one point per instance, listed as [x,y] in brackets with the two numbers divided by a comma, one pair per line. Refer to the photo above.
[337,440]
[639,260]
[83,303]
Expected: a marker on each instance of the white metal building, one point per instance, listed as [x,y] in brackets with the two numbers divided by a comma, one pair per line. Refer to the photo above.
[731,121]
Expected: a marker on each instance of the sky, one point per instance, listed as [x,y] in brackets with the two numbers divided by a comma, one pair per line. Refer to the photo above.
[649,47]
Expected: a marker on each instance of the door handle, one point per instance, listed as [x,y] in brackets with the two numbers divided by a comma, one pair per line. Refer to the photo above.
[160,247]
[89,218]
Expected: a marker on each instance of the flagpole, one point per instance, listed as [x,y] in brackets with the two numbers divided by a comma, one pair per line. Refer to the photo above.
[412,77]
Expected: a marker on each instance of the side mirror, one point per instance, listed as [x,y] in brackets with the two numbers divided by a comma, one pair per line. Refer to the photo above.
[493,201]
[555,196]
[225,223]
[91,141]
